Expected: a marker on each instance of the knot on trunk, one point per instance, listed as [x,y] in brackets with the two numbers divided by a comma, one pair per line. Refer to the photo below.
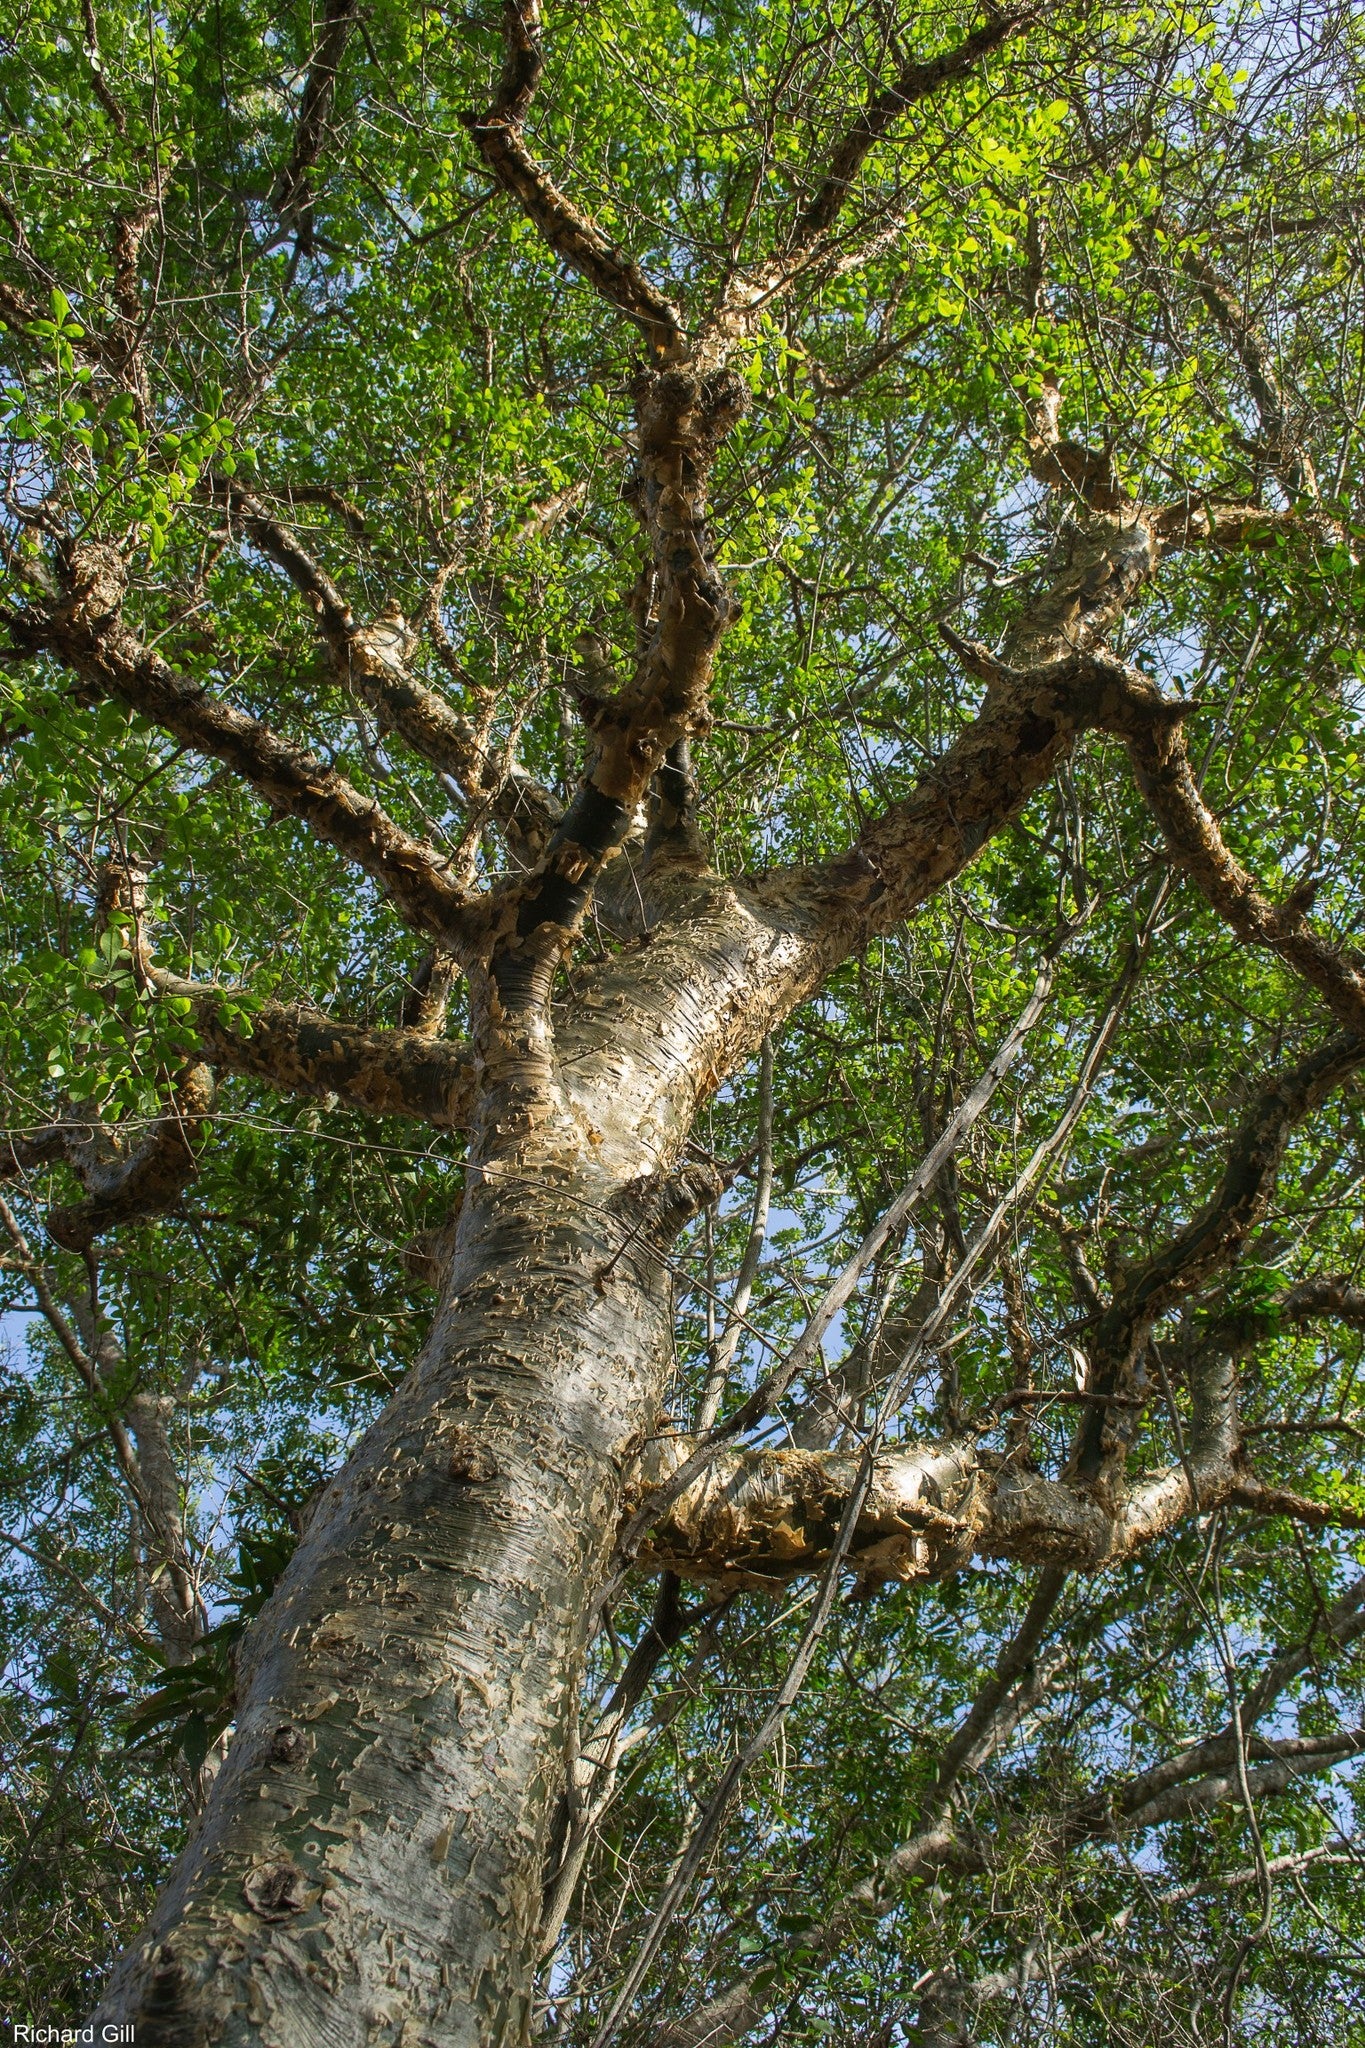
[165,2001]
[471,1463]
[278,1890]
[658,1204]
[426,1256]
[288,1745]
[94,580]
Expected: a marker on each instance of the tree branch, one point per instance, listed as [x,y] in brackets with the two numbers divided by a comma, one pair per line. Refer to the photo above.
[130,1183]
[1203,1778]
[1028,723]
[1198,1777]
[682,420]
[126,1180]
[1207,1776]
[595,1768]
[760,1518]
[129,1631]
[374,657]
[103,92]
[301,1051]
[843,1287]
[812,233]
[1198,522]
[1288,459]
[571,234]
[1333,1628]
[1210,1242]
[293,195]
[1047,686]
[718,1373]
[87,1357]
[1011,1688]
[1161,766]
[87,635]
[1066,465]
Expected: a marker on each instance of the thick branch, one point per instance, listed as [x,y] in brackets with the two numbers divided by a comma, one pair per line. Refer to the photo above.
[1067,465]
[103,91]
[571,234]
[674,840]
[283,547]
[682,420]
[759,1518]
[1327,1296]
[762,1517]
[124,345]
[293,194]
[1207,1776]
[131,1184]
[86,634]
[1028,723]
[750,953]
[300,1051]
[125,1181]
[1044,689]
[1205,521]
[1161,766]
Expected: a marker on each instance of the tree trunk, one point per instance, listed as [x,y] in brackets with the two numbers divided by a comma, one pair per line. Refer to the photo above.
[375,1844]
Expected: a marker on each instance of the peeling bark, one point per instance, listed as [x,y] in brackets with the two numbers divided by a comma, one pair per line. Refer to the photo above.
[86,633]
[371,1866]
[403,1072]
[759,1519]
[376,1837]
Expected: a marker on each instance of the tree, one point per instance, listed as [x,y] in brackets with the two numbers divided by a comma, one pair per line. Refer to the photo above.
[687,681]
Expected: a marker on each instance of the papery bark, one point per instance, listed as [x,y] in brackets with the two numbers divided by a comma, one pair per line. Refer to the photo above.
[374,1845]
